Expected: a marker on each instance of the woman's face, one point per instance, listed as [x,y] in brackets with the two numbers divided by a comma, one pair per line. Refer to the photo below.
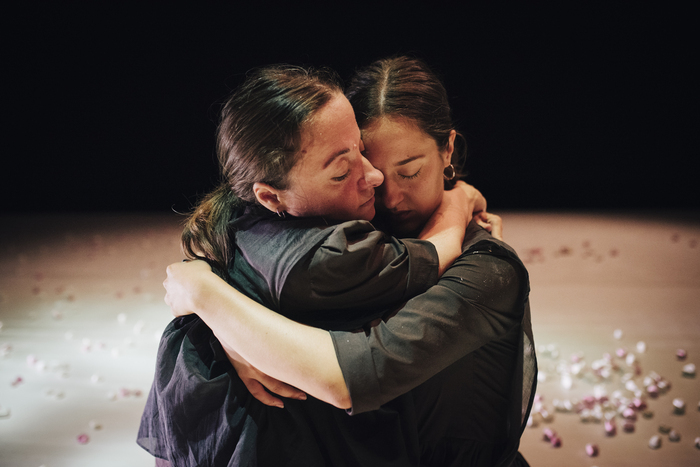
[332,178]
[413,167]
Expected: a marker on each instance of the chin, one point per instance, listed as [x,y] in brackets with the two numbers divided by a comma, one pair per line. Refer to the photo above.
[369,216]
[406,229]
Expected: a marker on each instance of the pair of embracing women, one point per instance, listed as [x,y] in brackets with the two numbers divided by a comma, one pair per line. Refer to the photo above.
[410,334]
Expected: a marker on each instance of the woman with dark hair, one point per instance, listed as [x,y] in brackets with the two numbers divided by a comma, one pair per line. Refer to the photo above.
[290,152]
[462,353]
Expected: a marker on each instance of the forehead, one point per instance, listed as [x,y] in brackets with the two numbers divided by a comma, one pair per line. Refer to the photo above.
[392,139]
[329,134]
[331,124]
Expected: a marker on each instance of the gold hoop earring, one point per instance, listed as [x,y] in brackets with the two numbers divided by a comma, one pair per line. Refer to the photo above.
[449,173]
[282,214]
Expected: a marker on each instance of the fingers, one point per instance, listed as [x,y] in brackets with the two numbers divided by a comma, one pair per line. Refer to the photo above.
[477,202]
[484,225]
[492,223]
[258,383]
[283,389]
[258,391]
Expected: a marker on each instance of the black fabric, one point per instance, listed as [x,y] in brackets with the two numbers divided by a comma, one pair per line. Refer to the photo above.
[199,413]
[465,352]
[328,276]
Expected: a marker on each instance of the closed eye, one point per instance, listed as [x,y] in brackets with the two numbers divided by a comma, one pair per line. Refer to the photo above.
[342,177]
[411,177]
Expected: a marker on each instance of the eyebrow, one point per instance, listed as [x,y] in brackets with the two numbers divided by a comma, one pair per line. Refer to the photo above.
[408,160]
[334,156]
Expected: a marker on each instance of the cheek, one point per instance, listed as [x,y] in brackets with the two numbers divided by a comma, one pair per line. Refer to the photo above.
[427,196]
[339,200]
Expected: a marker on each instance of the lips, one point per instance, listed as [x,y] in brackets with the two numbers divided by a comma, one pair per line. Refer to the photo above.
[400,216]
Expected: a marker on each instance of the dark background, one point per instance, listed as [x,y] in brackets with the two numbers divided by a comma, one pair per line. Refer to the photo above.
[568,105]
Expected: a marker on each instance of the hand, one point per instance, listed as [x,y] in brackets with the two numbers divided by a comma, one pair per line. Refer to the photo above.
[492,223]
[476,201]
[256,381]
[180,283]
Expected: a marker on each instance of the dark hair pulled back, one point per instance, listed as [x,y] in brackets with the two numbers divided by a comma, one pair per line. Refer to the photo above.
[258,140]
[406,87]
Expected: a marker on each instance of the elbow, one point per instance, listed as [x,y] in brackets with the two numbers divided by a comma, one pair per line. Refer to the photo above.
[339,397]
[342,402]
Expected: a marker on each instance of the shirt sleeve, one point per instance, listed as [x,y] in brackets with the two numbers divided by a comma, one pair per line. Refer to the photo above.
[475,302]
[356,274]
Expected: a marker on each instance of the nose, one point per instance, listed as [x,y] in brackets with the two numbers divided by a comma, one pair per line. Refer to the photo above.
[373,177]
[389,195]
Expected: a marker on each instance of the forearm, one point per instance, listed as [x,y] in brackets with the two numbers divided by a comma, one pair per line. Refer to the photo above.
[447,236]
[299,355]
[475,303]
[445,228]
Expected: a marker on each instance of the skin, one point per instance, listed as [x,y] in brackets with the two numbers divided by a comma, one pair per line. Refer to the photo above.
[332,178]
[412,166]
[255,337]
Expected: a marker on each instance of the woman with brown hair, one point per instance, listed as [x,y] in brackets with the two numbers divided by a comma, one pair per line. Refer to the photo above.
[463,351]
[290,152]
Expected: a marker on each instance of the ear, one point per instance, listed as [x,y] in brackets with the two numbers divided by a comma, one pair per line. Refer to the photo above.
[268,197]
[447,154]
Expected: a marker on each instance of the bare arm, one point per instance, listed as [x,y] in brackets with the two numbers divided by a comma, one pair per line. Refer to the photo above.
[445,228]
[300,355]
[254,337]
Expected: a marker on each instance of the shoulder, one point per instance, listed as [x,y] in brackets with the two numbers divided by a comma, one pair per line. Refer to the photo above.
[479,246]
[488,269]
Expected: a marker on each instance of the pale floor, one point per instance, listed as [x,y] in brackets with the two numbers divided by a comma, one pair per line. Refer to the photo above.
[81,310]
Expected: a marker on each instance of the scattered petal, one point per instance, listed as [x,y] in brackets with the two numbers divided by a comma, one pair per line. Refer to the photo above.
[591,450]
[689,370]
[655,442]
[610,428]
[566,381]
[5,349]
[548,434]
[678,406]
[629,414]
[95,425]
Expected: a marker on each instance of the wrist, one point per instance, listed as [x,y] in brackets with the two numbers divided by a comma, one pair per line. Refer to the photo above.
[197,291]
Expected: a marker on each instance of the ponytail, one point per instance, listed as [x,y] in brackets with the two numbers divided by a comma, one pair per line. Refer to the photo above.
[258,140]
[206,232]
